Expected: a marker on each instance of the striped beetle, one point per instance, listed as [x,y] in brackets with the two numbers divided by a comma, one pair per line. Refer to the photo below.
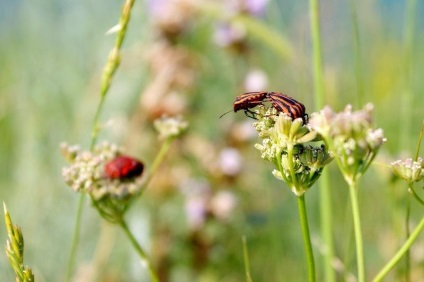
[279,101]
[287,105]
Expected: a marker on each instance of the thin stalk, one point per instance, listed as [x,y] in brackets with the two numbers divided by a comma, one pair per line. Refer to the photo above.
[142,254]
[109,70]
[408,233]
[75,238]
[166,144]
[357,230]
[357,53]
[246,260]
[402,251]
[306,237]
[317,53]
[325,193]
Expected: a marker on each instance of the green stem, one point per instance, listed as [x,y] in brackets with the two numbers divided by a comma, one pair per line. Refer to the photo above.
[157,161]
[107,75]
[357,53]
[408,233]
[406,98]
[326,225]
[317,54]
[325,193]
[290,158]
[306,237]
[357,229]
[412,191]
[75,238]
[246,260]
[142,254]
[402,251]
[161,154]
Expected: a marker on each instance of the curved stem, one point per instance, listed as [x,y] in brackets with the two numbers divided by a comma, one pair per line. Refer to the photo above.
[396,258]
[306,237]
[357,230]
[412,191]
[142,254]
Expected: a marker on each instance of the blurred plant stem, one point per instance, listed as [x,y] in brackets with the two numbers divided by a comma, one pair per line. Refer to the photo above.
[246,260]
[109,70]
[306,237]
[397,257]
[357,54]
[142,254]
[325,193]
[407,97]
[408,233]
[157,161]
[407,100]
[357,229]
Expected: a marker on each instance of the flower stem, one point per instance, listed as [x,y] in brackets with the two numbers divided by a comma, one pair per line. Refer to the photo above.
[306,237]
[357,229]
[75,238]
[142,254]
[408,233]
[107,75]
[396,258]
[246,260]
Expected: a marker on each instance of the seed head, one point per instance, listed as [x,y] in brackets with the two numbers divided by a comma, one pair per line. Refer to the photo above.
[170,127]
[409,170]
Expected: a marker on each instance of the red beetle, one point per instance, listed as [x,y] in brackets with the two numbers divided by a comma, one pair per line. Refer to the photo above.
[123,167]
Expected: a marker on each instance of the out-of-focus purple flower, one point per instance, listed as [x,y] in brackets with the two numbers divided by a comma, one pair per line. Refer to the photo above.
[255,7]
[228,34]
[256,80]
[197,194]
[230,161]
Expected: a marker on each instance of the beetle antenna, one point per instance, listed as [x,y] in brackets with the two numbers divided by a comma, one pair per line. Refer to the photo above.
[225,113]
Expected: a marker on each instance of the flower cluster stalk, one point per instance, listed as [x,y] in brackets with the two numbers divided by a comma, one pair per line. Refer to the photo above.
[306,237]
[142,254]
[357,229]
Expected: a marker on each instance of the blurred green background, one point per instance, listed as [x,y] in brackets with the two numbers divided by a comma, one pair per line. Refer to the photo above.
[181,60]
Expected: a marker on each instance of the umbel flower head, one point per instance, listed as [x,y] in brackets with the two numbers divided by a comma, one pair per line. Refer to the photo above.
[170,127]
[409,170]
[351,136]
[109,177]
[293,148]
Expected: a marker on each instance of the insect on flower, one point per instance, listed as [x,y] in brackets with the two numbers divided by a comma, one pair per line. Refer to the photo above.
[287,105]
[280,102]
[123,167]
[248,100]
